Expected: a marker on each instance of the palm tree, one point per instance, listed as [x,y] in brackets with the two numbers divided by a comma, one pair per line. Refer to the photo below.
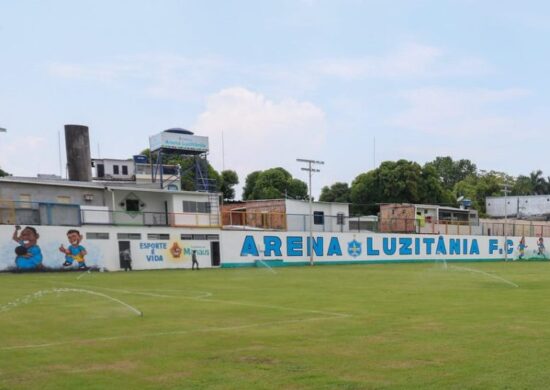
[538,182]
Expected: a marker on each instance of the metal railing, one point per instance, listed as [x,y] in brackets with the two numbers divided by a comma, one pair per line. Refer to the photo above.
[61,214]
[39,213]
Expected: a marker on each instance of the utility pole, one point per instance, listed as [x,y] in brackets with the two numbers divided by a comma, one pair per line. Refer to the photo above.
[310,169]
[506,191]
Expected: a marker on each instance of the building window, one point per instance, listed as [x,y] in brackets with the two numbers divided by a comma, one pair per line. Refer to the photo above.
[115,169]
[318,218]
[25,201]
[97,236]
[196,207]
[203,237]
[340,218]
[63,199]
[158,236]
[128,236]
[124,169]
[132,204]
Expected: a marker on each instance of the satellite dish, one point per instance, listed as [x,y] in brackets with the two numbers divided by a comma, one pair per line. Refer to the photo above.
[459,199]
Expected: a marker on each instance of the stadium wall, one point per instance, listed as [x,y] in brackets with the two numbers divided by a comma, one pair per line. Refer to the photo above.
[250,248]
[151,248]
[171,248]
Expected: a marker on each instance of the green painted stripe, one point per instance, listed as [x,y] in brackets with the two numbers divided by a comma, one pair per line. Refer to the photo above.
[281,263]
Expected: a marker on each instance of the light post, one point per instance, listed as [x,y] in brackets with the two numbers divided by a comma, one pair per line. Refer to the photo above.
[506,191]
[310,169]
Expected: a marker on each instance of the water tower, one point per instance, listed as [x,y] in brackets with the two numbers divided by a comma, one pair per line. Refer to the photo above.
[184,143]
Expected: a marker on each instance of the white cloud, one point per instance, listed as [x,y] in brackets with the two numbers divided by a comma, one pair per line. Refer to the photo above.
[260,133]
[408,61]
[156,75]
[169,76]
[457,112]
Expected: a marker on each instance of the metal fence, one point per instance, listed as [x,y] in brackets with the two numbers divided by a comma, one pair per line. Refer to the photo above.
[39,213]
[60,214]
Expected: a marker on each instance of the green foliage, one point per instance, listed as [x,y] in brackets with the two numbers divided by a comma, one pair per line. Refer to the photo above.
[478,187]
[397,182]
[451,172]
[338,192]
[250,183]
[538,183]
[187,167]
[3,173]
[522,186]
[274,183]
[229,179]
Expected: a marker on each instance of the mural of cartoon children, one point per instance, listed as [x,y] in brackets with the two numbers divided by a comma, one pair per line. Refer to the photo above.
[521,248]
[28,253]
[540,245]
[74,251]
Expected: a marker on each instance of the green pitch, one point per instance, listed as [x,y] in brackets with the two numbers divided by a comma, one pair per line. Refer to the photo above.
[323,327]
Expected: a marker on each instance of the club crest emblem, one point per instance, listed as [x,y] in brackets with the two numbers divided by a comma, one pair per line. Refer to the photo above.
[354,248]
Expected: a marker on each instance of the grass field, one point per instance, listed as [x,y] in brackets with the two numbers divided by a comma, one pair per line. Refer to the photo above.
[324,327]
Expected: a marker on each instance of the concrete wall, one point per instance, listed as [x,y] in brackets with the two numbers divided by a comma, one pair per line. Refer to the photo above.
[50,193]
[298,215]
[109,164]
[247,248]
[521,206]
[147,253]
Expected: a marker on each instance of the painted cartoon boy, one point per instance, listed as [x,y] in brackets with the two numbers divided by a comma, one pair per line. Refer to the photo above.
[28,253]
[521,248]
[74,251]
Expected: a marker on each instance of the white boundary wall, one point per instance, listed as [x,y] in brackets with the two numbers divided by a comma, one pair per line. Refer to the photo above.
[245,248]
[104,253]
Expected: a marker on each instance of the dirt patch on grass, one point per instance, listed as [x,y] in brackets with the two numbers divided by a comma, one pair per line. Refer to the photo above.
[405,364]
[118,366]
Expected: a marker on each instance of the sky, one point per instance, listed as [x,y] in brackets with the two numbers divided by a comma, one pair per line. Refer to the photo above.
[352,83]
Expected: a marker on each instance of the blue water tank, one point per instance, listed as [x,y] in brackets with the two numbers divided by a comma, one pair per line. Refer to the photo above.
[178,130]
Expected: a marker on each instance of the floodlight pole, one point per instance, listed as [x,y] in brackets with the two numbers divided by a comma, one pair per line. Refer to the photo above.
[506,191]
[310,170]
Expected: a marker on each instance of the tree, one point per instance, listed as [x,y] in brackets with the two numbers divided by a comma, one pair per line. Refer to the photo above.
[451,172]
[229,179]
[478,187]
[397,182]
[250,183]
[538,183]
[274,183]
[3,173]
[338,192]
[522,186]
